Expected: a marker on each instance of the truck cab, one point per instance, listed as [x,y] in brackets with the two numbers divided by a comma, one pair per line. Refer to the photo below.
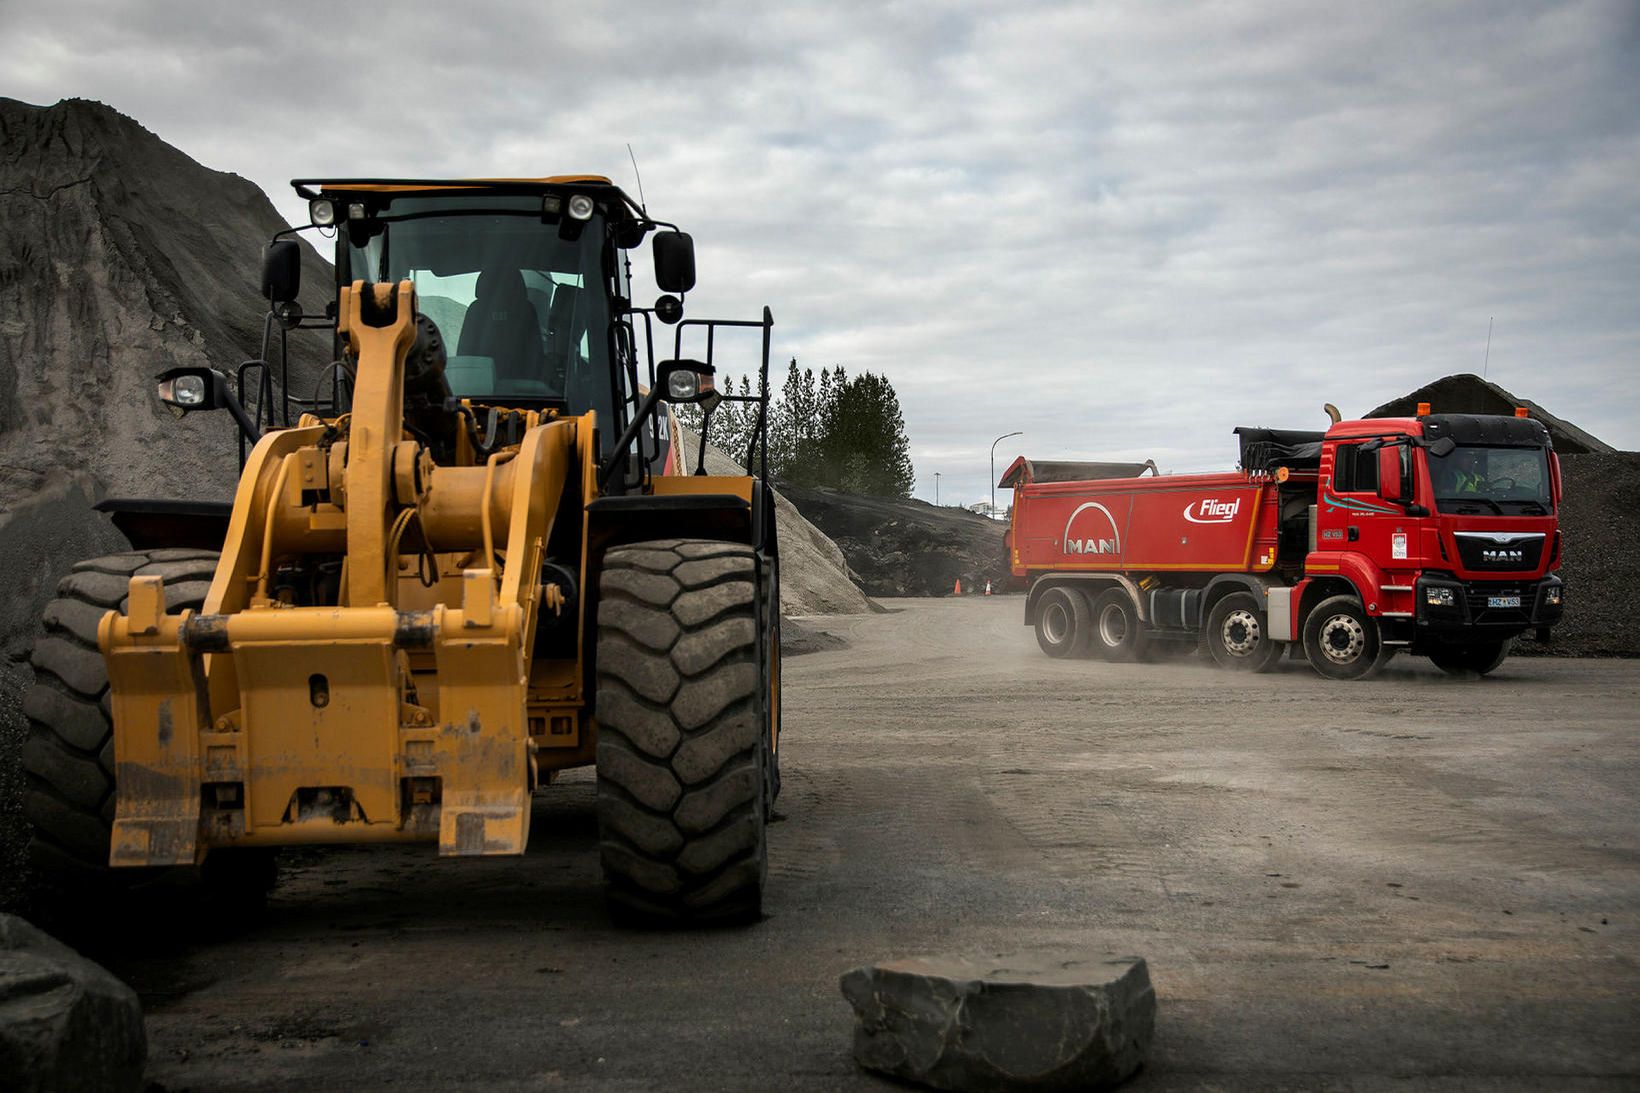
[1446,525]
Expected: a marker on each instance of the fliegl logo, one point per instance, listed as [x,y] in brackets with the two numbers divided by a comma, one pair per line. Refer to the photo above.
[1091,530]
[1210,510]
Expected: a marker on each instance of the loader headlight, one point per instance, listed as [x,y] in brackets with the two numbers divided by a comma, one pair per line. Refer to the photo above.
[322,211]
[580,207]
[1440,597]
[184,389]
[688,381]
[188,390]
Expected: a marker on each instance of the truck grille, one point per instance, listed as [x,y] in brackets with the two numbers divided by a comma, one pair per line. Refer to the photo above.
[1500,550]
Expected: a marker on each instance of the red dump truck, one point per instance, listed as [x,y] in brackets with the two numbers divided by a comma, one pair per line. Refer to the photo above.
[1435,535]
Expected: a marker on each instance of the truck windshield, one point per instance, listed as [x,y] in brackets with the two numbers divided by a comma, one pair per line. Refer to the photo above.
[523,313]
[1504,481]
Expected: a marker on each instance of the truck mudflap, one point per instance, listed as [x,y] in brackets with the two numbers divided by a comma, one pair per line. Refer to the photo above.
[333,740]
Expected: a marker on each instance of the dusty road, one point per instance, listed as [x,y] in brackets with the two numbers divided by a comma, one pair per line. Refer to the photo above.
[1406,883]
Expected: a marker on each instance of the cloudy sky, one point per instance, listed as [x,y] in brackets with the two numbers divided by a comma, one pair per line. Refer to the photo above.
[1120,228]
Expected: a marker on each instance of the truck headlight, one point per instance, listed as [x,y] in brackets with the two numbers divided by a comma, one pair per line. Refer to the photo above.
[1440,597]
[1551,595]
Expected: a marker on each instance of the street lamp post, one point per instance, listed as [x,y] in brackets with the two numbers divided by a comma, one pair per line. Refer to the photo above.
[936,489]
[994,443]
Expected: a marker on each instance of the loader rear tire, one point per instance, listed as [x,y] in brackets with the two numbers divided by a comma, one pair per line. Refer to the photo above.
[683,702]
[68,755]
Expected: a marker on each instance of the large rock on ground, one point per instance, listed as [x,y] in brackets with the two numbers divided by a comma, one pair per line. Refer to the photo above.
[66,1024]
[1037,1021]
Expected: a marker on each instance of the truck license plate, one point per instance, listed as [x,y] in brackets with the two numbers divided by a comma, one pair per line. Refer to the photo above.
[1503,601]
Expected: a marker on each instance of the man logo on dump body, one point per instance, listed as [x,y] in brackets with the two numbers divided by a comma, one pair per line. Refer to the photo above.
[1094,533]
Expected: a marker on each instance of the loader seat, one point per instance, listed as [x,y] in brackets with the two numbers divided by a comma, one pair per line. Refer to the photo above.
[502,324]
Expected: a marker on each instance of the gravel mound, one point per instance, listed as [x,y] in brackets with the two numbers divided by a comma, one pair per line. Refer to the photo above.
[907,547]
[814,577]
[119,257]
[1600,529]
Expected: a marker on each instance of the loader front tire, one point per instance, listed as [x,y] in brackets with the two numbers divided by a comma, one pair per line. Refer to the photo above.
[683,752]
[68,755]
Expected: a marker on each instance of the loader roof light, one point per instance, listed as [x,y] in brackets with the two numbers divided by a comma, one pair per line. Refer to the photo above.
[355,211]
[322,212]
[552,205]
[580,207]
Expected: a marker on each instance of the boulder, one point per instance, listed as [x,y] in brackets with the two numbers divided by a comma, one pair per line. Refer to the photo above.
[1036,1021]
[66,1024]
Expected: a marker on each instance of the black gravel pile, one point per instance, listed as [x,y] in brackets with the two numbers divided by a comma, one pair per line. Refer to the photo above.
[906,547]
[1600,528]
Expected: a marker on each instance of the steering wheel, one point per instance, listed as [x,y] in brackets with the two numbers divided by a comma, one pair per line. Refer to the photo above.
[1498,483]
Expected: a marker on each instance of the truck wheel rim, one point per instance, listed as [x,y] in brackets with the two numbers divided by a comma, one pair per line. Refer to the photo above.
[1342,639]
[1112,626]
[1240,633]
[1055,624]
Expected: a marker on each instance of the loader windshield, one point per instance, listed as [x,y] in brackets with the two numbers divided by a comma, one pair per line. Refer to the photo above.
[523,312]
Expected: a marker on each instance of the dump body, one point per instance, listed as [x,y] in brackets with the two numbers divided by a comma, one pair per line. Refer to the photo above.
[1387,511]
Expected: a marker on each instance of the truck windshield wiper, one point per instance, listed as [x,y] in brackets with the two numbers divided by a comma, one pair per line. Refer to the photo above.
[1497,508]
[1537,509]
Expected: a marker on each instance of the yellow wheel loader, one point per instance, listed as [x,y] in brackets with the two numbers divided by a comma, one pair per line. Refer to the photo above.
[459,565]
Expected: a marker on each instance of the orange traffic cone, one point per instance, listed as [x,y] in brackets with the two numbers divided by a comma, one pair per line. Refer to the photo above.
[987,586]
[957,591]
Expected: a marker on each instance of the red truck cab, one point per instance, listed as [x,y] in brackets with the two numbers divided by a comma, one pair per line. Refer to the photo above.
[1436,535]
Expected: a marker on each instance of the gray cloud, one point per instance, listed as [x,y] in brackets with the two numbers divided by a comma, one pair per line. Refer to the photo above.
[1123,229]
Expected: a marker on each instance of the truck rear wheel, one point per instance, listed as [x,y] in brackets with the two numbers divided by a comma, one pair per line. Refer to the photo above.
[1465,660]
[683,734]
[1237,637]
[1341,640]
[68,757]
[1117,635]
[1062,623]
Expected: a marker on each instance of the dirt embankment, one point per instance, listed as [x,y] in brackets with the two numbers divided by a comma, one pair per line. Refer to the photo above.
[907,547]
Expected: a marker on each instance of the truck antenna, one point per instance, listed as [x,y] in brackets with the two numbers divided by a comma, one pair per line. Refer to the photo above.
[1488,359]
[641,203]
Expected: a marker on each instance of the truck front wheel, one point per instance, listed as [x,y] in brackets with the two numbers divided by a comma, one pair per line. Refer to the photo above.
[1236,635]
[1062,623]
[1341,640]
[1464,660]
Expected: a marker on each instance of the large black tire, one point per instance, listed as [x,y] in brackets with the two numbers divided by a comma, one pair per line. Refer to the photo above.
[1470,660]
[68,757]
[1237,637]
[1342,641]
[683,732]
[1116,634]
[1062,623]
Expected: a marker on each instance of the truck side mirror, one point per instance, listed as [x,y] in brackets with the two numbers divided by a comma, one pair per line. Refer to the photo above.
[1554,478]
[282,271]
[674,261]
[1389,472]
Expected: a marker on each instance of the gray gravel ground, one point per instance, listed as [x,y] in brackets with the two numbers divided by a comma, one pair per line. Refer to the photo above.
[13,835]
[1408,883]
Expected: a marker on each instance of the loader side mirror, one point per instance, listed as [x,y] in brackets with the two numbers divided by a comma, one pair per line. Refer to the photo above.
[281,271]
[668,309]
[674,261]
[1389,472]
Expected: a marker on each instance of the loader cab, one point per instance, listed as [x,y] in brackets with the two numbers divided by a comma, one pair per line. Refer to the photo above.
[523,297]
